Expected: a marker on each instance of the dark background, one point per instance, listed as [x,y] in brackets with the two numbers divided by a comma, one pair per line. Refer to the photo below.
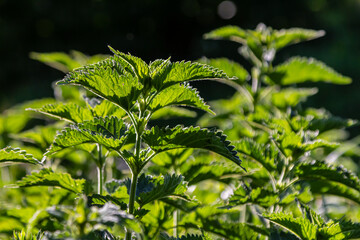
[154,29]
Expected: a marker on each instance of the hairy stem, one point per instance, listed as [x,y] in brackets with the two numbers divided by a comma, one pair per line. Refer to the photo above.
[100,169]
[100,179]
[134,179]
[176,216]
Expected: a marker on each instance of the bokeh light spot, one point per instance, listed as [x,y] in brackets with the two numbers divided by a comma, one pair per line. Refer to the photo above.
[227,9]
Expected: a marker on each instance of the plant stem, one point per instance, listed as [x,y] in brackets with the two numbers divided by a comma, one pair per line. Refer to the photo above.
[134,179]
[176,216]
[100,169]
[100,179]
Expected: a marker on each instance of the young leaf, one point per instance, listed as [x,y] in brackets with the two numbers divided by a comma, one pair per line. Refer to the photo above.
[180,95]
[138,66]
[110,79]
[65,62]
[46,177]
[179,72]
[291,96]
[301,227]
[163,139]
[285,37]
[299,70]
[11,155]
[70,112]
[232,33]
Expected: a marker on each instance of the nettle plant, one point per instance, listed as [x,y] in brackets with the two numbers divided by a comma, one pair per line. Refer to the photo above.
[107,171]
[292,153]
[131,91]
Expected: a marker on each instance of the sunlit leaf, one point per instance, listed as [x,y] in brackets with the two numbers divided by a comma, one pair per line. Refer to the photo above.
[318,170]
[291,96]
[70,112]
[285,37]
[301,227]
[231,68]
[259,196]
[173,112]
[109,132]
[11,155]
[109,79]
[179,72]
[180,95]
[47,177]
[300,70]
[154,188]
[163,139]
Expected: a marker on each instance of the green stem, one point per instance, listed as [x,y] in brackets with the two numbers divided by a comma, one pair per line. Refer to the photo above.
[100,169]
[134,179]
[100,179]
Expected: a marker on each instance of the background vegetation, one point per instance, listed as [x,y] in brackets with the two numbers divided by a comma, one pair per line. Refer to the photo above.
[159,28]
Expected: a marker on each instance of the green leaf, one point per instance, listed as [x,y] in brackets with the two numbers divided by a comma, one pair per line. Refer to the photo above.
[291,96]
[266,155]
[164,236]
[179,72]
[180,95]
[150,189]
[340,230]
[300,70]
[163,139]
[100,200]
[311,215]
[330,122]
[70,112]
[301,227]
[57,60]
[231,68]
[259,196]
[204,168]
[173,112]
[325,187]
[110,215]
[42,136]
[107,108]
[65,62]
[137,65]
[318,170]
[109,132]
[285,37]
[46,177]
[232,33]
[274,38]
[11,155]
[111,79]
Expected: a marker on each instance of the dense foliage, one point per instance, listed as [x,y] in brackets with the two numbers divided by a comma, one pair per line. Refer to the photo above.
[103,169]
